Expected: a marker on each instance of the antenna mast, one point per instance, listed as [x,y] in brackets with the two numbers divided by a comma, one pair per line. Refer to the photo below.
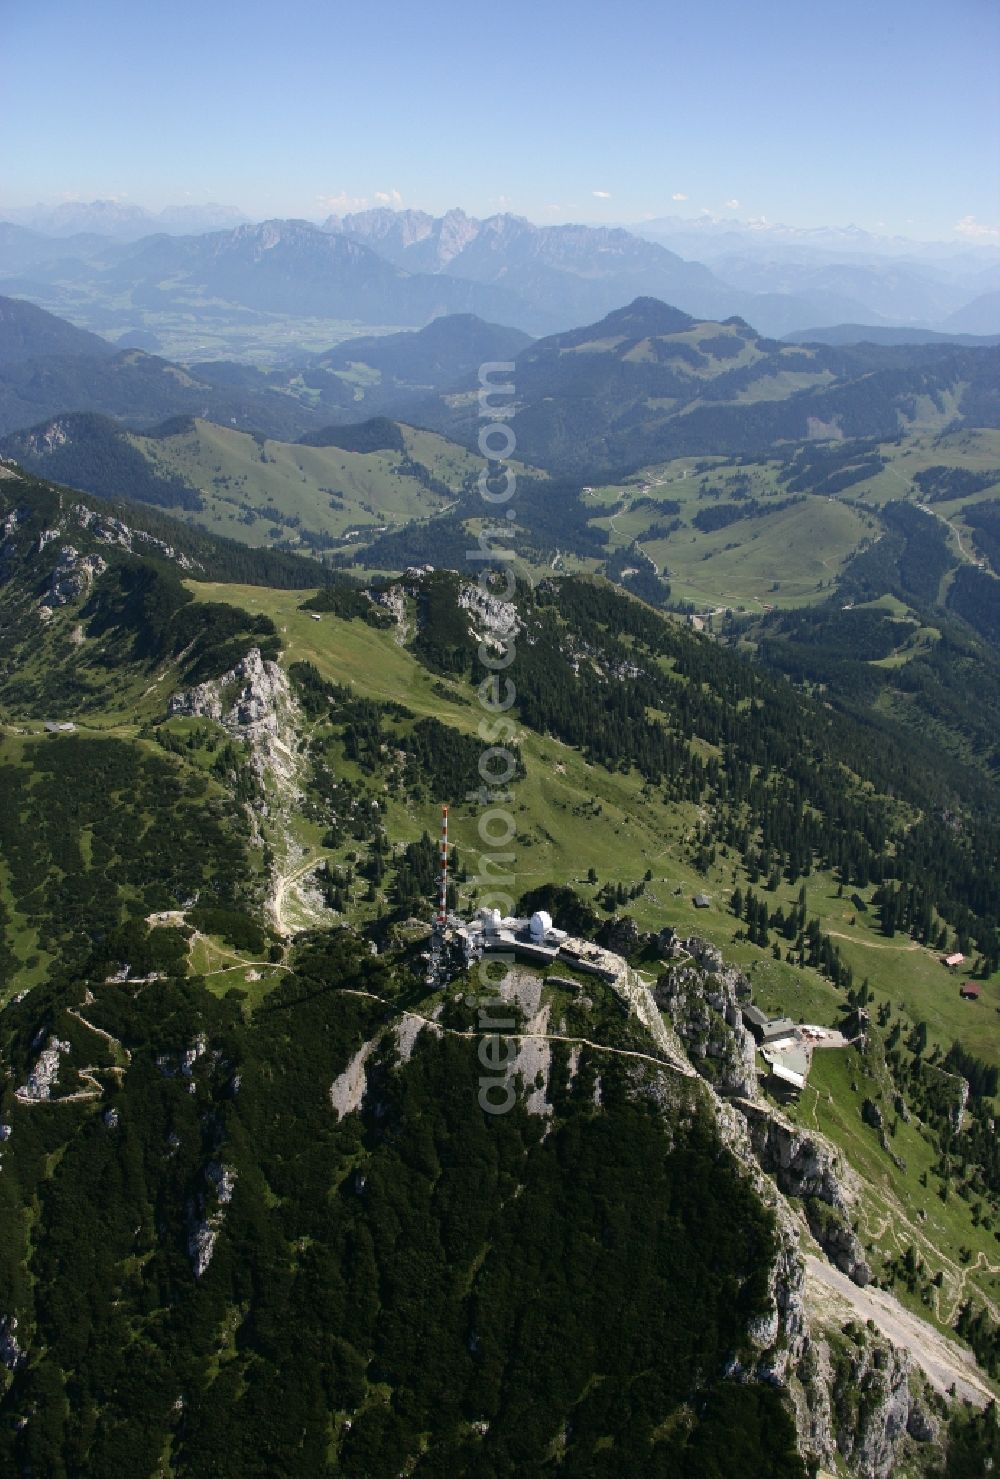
[442,917]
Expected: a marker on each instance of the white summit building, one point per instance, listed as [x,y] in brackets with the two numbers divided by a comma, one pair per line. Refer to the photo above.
[534,939]
[537,939]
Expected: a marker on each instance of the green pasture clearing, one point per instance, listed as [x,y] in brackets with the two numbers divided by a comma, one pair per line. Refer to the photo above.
[254,490]
[787,559]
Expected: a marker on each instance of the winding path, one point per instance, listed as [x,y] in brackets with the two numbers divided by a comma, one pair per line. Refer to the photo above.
[282,883]
[471,1034]
[967,555]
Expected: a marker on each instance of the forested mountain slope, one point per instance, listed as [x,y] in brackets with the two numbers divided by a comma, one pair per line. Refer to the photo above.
[649,382]
[246,1171]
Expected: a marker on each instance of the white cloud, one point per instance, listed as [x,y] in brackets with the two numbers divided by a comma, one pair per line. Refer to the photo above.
[974,230]
[602,194]
[732,205]
[678,195]
[343,202]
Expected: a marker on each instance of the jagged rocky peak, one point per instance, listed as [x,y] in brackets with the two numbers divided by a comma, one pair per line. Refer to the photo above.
[246,699]
[74,530]
[871,1402]
[494,619]
[392,598]
[111,530]
[255,704]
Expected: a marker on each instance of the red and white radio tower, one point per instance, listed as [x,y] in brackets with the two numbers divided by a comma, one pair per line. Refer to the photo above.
[442,917]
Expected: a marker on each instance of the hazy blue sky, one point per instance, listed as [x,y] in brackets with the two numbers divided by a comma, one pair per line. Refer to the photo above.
[880,112]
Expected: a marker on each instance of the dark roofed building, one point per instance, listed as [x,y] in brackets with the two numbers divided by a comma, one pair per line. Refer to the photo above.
[780,1027]
[702,901]
[755,1020]
[970,992]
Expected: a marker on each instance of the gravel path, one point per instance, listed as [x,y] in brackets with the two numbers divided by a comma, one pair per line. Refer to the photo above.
[942,1361]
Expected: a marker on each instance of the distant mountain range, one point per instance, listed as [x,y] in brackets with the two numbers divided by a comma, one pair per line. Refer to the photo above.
[48,367]
[404,268]
[892,279]
[583,272]
[123,220]
[712,236]
[877,334]
[573,271]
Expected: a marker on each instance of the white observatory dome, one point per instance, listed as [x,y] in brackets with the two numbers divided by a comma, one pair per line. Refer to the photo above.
[540,925]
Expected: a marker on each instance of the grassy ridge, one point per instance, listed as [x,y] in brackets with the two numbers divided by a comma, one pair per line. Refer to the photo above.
[265,491]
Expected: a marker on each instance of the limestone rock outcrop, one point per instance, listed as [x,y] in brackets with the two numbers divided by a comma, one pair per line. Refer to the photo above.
[701,996]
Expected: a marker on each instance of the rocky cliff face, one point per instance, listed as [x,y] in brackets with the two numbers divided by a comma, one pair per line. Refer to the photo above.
[783,1335]
[807,1167]
[852,1390]
[494,621]
[254,703]
[393,600]
[72,541]
[701,995]
[72,577]
[852,1396]
[870,1401]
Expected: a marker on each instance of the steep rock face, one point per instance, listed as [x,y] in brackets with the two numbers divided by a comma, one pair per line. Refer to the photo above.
[11,1352]
[637,997]
[701,996]
[782,1335]
[113,531]
[806,1166]
[45,1074]
[254,702]
[871,1403]
[72,577]
[850,1398]
[75,524]
[206,1214]
[532,1058]
[393,600]
[495,621]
